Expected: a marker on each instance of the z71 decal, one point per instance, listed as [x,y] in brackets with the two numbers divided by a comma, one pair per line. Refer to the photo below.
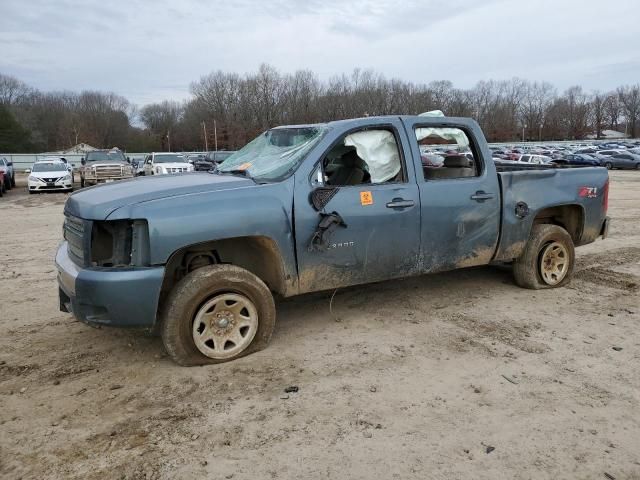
[588,192]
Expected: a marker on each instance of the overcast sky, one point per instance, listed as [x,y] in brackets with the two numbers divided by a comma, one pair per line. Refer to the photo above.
[150,50]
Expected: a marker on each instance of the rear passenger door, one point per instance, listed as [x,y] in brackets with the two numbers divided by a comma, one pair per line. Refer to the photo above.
[460,201]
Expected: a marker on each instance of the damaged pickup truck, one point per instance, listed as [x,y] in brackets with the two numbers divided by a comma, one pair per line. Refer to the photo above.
[199,257]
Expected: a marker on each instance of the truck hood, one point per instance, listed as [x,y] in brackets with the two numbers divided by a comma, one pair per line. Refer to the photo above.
[97,203]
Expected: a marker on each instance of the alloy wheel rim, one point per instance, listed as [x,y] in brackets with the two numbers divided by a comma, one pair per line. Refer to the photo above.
[225,325]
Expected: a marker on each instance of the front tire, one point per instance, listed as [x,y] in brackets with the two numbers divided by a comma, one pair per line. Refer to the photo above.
[547,260]
[216,314]
[81,182]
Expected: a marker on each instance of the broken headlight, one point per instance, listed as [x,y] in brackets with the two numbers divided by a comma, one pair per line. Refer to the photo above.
[120,243]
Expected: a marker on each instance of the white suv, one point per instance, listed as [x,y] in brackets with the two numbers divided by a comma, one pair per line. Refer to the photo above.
[163,163]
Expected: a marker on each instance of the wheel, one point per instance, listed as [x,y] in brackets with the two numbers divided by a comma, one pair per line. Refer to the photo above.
[547,260]
[608,165]
[13,181]
[637,166]
[7,184]
[216,314]
[81,182]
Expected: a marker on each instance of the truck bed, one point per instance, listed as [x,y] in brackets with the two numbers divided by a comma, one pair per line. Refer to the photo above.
[572,196]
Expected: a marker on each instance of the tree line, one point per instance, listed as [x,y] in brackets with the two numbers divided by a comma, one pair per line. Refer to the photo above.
[232,109]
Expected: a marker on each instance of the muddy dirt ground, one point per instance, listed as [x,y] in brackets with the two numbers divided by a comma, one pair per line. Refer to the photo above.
[455,375]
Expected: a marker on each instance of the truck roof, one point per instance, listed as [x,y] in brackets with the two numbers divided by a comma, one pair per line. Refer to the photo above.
[361,120]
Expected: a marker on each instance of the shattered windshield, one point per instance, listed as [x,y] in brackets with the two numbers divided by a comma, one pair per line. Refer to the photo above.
[275,153]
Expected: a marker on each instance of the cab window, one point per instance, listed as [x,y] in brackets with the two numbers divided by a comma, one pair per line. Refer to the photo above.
[364,157]
[452,146]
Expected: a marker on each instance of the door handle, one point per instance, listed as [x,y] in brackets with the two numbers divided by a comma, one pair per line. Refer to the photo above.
[481,196]
[400,203]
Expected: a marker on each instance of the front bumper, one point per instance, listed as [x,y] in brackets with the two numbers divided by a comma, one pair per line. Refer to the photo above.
[118,297]
[95,181]
[50,186]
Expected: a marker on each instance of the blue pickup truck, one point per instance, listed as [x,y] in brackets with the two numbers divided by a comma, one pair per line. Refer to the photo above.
[199,257]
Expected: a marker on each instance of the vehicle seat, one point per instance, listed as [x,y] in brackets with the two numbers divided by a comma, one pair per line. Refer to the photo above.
[454,166]
[350,170]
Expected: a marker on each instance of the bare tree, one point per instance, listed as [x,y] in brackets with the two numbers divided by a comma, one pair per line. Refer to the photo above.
[598,111]
[12,90]
[613,109]
[630,99]
[161,118]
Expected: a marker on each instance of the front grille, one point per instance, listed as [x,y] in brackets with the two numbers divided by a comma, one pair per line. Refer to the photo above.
[176,169]
[74,235]
[108,171]
[49,180]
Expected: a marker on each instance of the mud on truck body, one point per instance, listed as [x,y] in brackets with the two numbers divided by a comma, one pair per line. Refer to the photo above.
[199,257]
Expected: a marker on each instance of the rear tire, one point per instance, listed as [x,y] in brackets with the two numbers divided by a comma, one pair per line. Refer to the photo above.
[547,260]
[192,294]
[608,165]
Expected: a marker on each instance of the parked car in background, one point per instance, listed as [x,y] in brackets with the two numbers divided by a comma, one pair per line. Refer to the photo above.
[625,161]
[3,189]
[535,159]
[6,168]
[103,166]
[138,165]
[59,160]
[210,160]
[160,163]
[577,159]
[49,176]
[219,156]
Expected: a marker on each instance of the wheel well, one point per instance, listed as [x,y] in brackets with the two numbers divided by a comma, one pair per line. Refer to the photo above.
[569,217]
[259,255]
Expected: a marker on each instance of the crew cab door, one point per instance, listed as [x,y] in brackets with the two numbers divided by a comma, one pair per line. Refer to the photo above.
[367,178]
[460,198]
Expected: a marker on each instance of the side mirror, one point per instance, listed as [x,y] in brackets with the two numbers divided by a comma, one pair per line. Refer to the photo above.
[83,161]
